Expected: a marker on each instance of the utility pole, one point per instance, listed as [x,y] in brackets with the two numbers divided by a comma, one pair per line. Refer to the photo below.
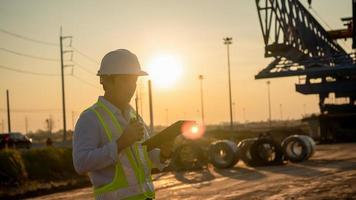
[136,105]
[2,125]
[353,26]
[50,124]
[151,107]
[269,104]
[244,114]
[201,77]
[61,38]
[73,119]
[141,98]
[8,111]
[26,125]
[227,42]
[166,116]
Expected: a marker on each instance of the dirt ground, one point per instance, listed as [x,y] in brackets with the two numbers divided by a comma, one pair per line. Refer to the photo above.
[330,174]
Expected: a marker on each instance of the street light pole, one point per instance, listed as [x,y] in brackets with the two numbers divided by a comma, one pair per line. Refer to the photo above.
[269,104]
[8,111]
[201,77]
[227,42]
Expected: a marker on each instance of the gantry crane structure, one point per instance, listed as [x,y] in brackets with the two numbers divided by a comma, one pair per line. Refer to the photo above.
[301,47]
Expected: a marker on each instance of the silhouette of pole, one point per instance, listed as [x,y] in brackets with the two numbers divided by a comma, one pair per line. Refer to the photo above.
[244,113]
[63,92]
[353,26]
[151,107]
[227,42]
[201,77]
[2,125]
[8,111]
[61,38]
[26,125]
[73,115]
[167,119]
[136,106]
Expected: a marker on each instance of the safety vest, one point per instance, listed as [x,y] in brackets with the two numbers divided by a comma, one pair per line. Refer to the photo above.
[132,178]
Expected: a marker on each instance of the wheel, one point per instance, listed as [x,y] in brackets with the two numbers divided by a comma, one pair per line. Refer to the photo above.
[223,154]
[265,151]
[186,157]
[311,144]
[296,148]
[244,152]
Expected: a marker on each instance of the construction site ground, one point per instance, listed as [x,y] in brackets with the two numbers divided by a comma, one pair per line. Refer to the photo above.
[329,174]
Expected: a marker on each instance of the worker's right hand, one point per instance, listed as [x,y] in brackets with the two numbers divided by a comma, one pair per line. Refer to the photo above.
[133,133]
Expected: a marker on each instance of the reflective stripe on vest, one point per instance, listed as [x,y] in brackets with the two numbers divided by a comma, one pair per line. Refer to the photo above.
[132,178]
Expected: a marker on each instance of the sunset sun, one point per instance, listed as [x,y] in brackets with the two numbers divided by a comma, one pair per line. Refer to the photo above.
[165,70]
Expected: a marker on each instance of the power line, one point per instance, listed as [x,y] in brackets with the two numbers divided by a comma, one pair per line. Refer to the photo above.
[85,82]
[35,111]
[28,38]
[27,72]
[86,56]
[31,110]
[83,68]
[46,43]
[28,55]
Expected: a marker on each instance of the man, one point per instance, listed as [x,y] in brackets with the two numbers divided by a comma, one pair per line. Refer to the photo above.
[108,136]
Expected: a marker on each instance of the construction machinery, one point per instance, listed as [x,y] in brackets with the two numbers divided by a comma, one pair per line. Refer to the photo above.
[301,47]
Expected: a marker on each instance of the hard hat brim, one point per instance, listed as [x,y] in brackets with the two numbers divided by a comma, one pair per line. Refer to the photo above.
[143,73]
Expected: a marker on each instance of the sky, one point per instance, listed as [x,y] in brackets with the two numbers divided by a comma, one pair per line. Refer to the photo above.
[190,32]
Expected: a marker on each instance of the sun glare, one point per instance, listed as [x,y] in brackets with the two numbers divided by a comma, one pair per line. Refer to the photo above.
[165,70]
[192,131]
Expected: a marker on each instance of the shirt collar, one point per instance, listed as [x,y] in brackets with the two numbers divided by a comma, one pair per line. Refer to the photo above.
[113,108]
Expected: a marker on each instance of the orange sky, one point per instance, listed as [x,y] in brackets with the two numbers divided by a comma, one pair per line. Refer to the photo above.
[191,31]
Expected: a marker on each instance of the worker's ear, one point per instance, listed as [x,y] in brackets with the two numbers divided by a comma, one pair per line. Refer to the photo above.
[106,81]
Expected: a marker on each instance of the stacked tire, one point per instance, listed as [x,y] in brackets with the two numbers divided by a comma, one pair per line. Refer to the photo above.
[298,148]
[260,152]
[223,154]
[244,151]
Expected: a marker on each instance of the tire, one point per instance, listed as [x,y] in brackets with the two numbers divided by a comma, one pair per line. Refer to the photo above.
[296,148]
[187,157]
[311,143]
[244,152]
[265,151]
[223,154]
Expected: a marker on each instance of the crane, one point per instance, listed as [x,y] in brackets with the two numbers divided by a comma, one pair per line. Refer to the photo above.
[301,47]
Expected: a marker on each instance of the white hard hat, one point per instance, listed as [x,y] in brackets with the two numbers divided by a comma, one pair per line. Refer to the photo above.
[120,61]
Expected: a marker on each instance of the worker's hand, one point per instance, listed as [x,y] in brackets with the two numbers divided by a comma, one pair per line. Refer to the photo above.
[133,133]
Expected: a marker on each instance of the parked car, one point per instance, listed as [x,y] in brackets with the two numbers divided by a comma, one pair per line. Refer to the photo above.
[15,140]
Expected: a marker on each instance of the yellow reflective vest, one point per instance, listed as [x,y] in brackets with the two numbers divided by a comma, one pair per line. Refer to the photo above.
[132,178]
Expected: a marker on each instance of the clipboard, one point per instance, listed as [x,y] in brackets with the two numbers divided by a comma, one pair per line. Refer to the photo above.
[168,134]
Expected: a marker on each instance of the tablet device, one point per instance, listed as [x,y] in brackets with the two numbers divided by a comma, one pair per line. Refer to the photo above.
[168,134]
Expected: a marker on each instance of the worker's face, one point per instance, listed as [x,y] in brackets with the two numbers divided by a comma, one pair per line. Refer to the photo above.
[123,87]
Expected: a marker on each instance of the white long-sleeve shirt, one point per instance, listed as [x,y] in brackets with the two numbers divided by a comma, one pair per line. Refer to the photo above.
[92,151]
